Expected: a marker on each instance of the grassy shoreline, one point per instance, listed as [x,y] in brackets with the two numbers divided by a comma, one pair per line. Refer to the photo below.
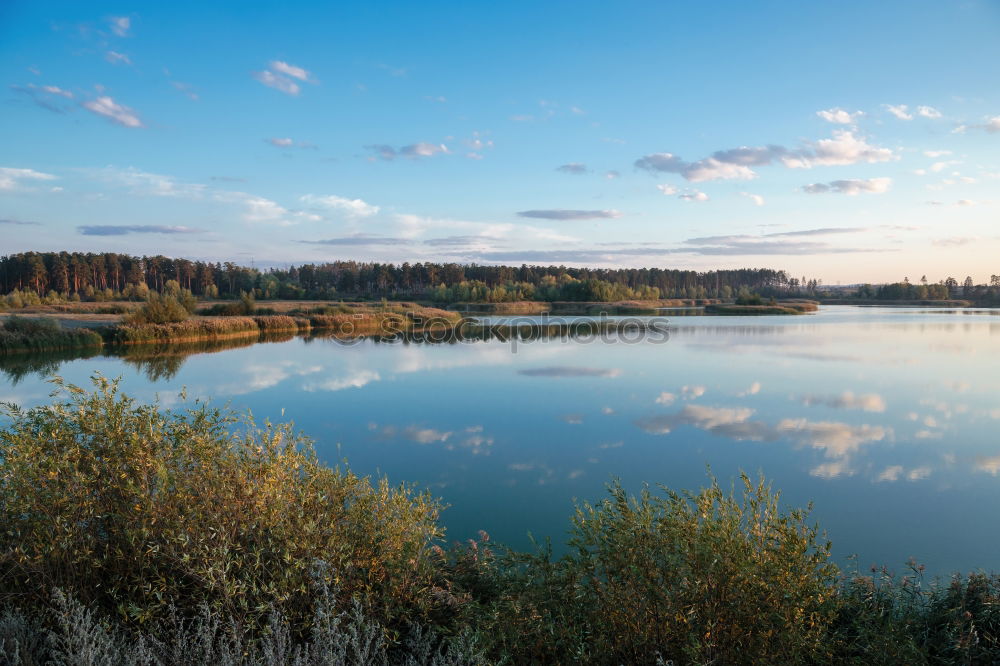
[30,334]
[780,308]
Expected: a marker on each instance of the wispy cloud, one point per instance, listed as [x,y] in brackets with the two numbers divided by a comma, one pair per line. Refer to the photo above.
[351,207]
[293,71]
[123,229]
[116,58]
[851,187]
[570,371]
[12,179]
[18,223]
[840,116]
[50,98]
[692,195]
[359,239]
[570,214]
[117,113]
[574,168]
[120,25]
[413,151]
[901,111]
[844,148]
[278,82]
[869,402]
[757,199]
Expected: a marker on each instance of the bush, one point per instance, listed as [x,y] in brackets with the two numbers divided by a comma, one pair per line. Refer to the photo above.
[134,510]
[159,309]
[707,577]
[68,632]
[18,334]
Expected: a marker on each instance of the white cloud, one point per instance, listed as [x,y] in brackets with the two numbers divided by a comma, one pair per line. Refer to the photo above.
[574,168]
[692,392]
[12,179]
[351,207]
[356,380]
[851,187]
[834,438]
[693,195]
[833,469]
[56,90]
[120,25]
[290,70]
[423,149]
[413,151]
[989,465]
[667,189]
[753,390]
[666,398]
[116,113]
[756,198]
[869,402]
[936,153]
[281,142]
[713,169]
[278,82]
[846,148]
[928,112]
[116,58]
[901,111]
[891,473]
[938,167]
[839,116]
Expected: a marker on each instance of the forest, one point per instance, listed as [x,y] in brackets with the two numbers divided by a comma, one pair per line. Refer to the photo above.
[107,276]
[102,276]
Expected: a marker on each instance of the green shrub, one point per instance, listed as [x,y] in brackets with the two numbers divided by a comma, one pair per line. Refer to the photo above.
[707,577]
[159,309]
[134,510]
[18,334]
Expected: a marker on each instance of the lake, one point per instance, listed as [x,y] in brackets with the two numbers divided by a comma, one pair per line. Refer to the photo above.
[885,418]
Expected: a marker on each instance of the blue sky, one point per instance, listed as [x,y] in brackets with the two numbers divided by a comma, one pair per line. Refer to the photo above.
[848,141]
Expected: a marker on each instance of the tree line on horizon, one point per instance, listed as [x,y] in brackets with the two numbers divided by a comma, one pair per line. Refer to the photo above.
[109,276]
[97,276]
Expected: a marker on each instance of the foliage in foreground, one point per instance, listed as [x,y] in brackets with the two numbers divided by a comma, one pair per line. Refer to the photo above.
[134,535]
[136,511]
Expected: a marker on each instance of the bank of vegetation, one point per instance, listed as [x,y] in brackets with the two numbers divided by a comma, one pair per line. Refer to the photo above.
[170,318]
[137,535]
[20,334]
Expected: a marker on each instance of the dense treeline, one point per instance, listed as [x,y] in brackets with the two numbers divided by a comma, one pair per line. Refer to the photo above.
[945,289]
[106,275]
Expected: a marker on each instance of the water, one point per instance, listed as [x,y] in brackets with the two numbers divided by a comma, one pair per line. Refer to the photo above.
[885,418]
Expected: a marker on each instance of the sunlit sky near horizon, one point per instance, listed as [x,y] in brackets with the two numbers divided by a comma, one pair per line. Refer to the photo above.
[848,141]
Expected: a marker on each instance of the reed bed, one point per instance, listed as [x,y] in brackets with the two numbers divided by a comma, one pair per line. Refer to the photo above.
[27,335]
[184,331]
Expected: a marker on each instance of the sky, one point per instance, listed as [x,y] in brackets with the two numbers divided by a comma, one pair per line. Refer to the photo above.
[847,142]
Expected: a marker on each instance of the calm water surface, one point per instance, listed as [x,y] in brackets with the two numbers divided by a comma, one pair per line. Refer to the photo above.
[886,419]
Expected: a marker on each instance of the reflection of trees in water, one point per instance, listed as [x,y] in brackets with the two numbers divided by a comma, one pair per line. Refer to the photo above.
[44,364]
[164,360]
[156,361]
